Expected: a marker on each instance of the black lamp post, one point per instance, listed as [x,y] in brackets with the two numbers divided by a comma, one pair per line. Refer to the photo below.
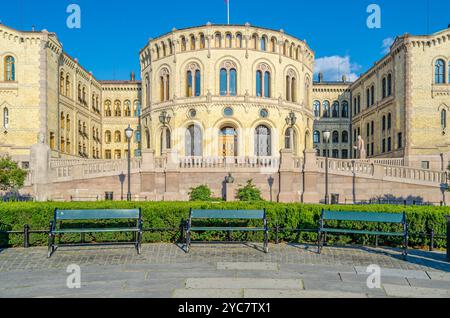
[291,120]
[164,118]
[129,135]
[326,136]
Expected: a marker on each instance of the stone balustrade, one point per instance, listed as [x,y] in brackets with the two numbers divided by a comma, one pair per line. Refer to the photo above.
[229,162]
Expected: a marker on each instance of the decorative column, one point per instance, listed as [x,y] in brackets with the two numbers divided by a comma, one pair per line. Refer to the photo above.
[287,177]
[172,177]
[148,175]
[310,176]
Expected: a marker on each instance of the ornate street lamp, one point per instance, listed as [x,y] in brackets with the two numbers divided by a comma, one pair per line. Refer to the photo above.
[164,118]
[129,135]
[291,119]
[326,136]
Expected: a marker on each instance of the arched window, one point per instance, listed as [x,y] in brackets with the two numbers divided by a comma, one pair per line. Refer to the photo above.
[170,45]
[117,137]
[326,109]
[335,109]
[62,86]
[383,123]
[384,87]
[443,119]
[439,72]
[183,44]
[192,40]
[127,108]
[368,98]
[228,79]
[263,147]
[389,121]
[164,51]
[345,109]
[202,41]
[68,122]
[316,137]
[84,94]
[254,43]
[273,45]
[372,95]
[290,139]
[147,90]
[165,140]
[5,118]
[218,41]
[228,40]
[108,112]
[389,85]
[239,41]
[285,48]
[263,81]
[10,69]
[263,43]
[228,142]
[68,87]
[117,109]
[164,84]
[79,92]
[291,86]
[316,108]
[193,80]
[62,120]
[193,141]
[345,137]
[335,137]
[147,138]
[307,90]
[108,137]
[359,104]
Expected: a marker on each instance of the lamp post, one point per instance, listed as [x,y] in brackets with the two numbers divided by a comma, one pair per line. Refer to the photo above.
[164,118]
[326,136]
[129,135]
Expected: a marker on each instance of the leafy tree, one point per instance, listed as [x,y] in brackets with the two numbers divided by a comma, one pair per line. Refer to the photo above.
[201,193]
[249,193]
[12,177]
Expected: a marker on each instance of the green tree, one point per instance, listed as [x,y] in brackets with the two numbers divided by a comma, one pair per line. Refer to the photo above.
[249,193]
[201,193]
[12,177]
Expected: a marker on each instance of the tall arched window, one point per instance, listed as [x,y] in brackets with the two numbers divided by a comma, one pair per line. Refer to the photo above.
[164,50]
[228,79]
[5,118]
[147,90]
[291,86]
[218,41]
[147,138]
[316,137]
[202,41]
[164,84]
[335,109]
[127,108]
[290,139]
[263,43]
[165,140]
[326,109]
[62,84]
[192,40]
[183,44]
[383,123]
[273,45]
[239,41]
[372,95]
[316,108]
[335,138]
[228,40]
[254,43]
[193,141]
[263,80]
[193,80]
[345,137]
[68,86]
[345,109]
[443,119]
[389,121]
[108,112]
[117,109]
[384,87]
[368,97]
[117,136]
[263,144]
[108,137]
[10,69]
[389,84]
[439,72]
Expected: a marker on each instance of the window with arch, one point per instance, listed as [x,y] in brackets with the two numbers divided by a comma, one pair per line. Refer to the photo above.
[127,108]
[389,84]
[192,42]
[137,108]
[254,42]
[239,41]
[345,109]
[383,123]
[68,86]
[389,121]
[147,90]
[291,51]
[117,109]
[164,85]
[228,40]
[290,139]
[165,140]
[158,54]
[263,43]
[10,69]
[286,48]
[164,50]
[443,119]
[263,144]
[326,109]
[193,141]
[345,137]
[335,137]
[147,138]
[62,86]
[359,104]
[62,120]
[5,118]
[316,108]
[117,136]
[368,97]
[291,86]
[384,87]
[218,41]
[335,109]
[84,95]
[108,137]
[193,80]
[183,44]
[170,45]
[372,95]
[273,45]
[439,72]
[228,79]
[263,80]
[68,122]
[316,137]
[108,112]
[202,41]
[307,90]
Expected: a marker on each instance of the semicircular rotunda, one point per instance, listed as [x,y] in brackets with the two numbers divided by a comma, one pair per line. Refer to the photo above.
[227,91]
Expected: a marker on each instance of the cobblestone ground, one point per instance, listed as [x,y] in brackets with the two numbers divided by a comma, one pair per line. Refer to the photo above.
[223,270]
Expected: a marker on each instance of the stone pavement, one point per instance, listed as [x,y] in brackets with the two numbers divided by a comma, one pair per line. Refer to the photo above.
[223,270]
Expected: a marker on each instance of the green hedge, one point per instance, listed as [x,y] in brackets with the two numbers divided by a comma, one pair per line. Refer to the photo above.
[13,216]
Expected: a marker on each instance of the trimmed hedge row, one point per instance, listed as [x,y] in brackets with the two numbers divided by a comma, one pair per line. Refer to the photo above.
[13,216]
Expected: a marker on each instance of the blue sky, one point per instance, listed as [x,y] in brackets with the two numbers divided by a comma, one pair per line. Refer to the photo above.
[113,32]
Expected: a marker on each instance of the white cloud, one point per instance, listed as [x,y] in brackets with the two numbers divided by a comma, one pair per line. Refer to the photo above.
[333,67]
[386,46]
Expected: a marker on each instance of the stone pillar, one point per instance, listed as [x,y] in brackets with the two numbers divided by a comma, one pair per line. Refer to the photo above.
[148,175]
[40,155]
[230,192]
[287,174]
[310,176]
[148,160]
[172,177]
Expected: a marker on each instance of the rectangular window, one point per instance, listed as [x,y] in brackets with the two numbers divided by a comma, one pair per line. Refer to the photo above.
[400,140]
[425,165]
[373,149]
[383,146]
[345,154]
[389,144]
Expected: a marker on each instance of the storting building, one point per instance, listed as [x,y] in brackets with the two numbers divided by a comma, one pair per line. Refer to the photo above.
[220,100]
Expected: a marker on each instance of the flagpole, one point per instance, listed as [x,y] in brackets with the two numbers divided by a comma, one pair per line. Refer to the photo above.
[228,11]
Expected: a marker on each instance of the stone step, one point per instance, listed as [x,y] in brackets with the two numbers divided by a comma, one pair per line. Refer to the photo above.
[243,266]
[242,283]
[415,292]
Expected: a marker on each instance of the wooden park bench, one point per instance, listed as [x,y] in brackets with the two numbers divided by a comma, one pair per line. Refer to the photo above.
[227,215]
[68,222]
[372,217]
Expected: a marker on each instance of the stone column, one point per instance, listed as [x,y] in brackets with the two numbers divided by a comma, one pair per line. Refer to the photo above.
[310,176]
[148,175]
[287,174]
[40,155]
[230,192]
[172,177]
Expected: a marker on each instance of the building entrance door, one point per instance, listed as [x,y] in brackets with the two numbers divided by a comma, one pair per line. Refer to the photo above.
[228,142]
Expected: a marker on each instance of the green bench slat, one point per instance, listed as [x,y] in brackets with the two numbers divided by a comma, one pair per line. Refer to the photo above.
[74,215]
[363,216]
[105,230]
[361,232]
[228,214]
[244,229]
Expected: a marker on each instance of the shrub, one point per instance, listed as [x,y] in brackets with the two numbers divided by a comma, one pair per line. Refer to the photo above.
[12,177]
[201,193]
[249,193]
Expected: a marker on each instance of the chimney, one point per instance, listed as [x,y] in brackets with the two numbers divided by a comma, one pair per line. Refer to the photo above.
[132,77]
[320,77]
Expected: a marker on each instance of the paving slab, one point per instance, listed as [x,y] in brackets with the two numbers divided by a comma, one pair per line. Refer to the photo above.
[361,278]
[243,266]
[208,293]
[241,283]
[353,287]
[441,276]
[428,283]
[283,293]
[395,272]
[415,292]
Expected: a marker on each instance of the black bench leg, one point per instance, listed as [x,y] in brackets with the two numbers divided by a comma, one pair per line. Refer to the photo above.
[188,240]
[405,249]
[139,243]
[51,245]
[319,239]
